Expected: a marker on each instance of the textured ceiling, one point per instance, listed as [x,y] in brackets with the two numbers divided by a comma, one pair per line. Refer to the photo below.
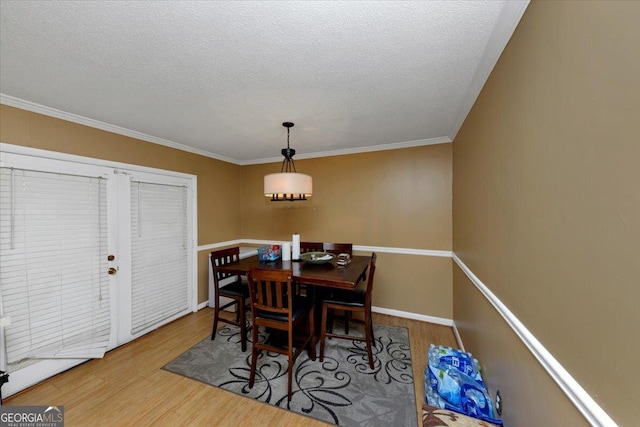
[219,78]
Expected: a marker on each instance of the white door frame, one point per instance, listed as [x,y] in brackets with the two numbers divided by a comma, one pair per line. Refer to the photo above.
[39,371]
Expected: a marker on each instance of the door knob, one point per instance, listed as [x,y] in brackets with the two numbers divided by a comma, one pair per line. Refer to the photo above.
[112,271]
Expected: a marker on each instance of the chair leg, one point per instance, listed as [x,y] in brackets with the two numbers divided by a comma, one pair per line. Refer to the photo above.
[312,331]
[290,368]
[254,357]
[243,325]
[330,318]
[368,332]
[323,330]
[347,314]
[215,320]
[373,337]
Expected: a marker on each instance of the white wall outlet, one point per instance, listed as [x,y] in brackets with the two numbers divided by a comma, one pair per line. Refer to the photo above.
[498,403]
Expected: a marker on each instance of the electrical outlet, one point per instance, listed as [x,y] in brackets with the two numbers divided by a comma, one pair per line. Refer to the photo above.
[498,403]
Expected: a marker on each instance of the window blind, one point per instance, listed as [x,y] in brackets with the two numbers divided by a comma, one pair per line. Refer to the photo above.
[159,253]
[53,265]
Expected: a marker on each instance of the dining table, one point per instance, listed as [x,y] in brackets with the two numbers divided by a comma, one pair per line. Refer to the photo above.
[325,275]
[328,275]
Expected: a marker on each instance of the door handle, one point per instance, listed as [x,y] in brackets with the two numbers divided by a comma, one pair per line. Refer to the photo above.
[112,271]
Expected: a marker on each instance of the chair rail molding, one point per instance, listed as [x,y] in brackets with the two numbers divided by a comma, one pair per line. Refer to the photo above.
[382,249]
[594,414]
[245,252]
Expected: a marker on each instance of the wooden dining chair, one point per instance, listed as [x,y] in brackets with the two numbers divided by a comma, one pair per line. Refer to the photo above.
[274,305]
[310,247]
[301,288]
[338,248]
[237,291]
[356,301]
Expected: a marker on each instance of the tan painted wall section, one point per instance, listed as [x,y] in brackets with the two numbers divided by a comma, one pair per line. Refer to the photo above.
[398,198]
[530,396]
[547,202]
[218,182]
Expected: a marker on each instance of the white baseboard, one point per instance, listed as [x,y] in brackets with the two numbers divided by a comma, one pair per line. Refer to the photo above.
[403,314]
[414,316]
[576,394]
[397,313]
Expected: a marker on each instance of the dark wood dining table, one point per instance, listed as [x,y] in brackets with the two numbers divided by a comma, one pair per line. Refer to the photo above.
[326,275]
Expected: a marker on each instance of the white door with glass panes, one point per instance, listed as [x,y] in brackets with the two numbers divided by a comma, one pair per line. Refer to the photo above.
[91,257]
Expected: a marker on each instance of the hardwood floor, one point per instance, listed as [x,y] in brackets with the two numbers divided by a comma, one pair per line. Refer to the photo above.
[128,387]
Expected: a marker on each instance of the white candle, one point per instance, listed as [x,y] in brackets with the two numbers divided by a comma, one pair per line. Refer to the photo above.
[286,251]
[296,247]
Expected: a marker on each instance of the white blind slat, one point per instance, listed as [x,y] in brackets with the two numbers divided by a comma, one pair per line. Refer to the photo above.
[53,249]
[159,253]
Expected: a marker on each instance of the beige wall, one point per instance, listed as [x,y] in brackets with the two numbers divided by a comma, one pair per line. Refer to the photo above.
[547,206]
[218,182]
[396,198]
[530,396]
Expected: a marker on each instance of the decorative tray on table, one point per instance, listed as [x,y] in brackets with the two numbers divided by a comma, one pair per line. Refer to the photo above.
[317,257]
[269,253]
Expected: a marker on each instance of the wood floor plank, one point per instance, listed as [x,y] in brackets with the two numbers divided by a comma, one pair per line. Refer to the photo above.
[128,386]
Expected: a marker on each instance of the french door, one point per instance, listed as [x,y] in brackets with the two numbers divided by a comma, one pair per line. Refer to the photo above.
[92,255]
[155,251]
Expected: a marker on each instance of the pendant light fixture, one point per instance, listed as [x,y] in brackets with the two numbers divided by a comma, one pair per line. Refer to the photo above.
[288,185]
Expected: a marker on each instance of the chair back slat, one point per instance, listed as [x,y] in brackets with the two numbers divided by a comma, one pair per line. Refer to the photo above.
[271,291]
[224,257]
[310,247]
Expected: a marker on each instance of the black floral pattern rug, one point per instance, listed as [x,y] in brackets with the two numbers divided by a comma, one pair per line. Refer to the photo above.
[342,390]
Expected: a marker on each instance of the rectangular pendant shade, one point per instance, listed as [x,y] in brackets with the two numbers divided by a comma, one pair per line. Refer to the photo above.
[284,184]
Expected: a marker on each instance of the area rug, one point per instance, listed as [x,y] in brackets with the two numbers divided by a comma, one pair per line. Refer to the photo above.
[342,390]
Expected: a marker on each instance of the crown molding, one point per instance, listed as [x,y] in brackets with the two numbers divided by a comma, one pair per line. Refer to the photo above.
[357,150]
[12,101]
[505,26]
